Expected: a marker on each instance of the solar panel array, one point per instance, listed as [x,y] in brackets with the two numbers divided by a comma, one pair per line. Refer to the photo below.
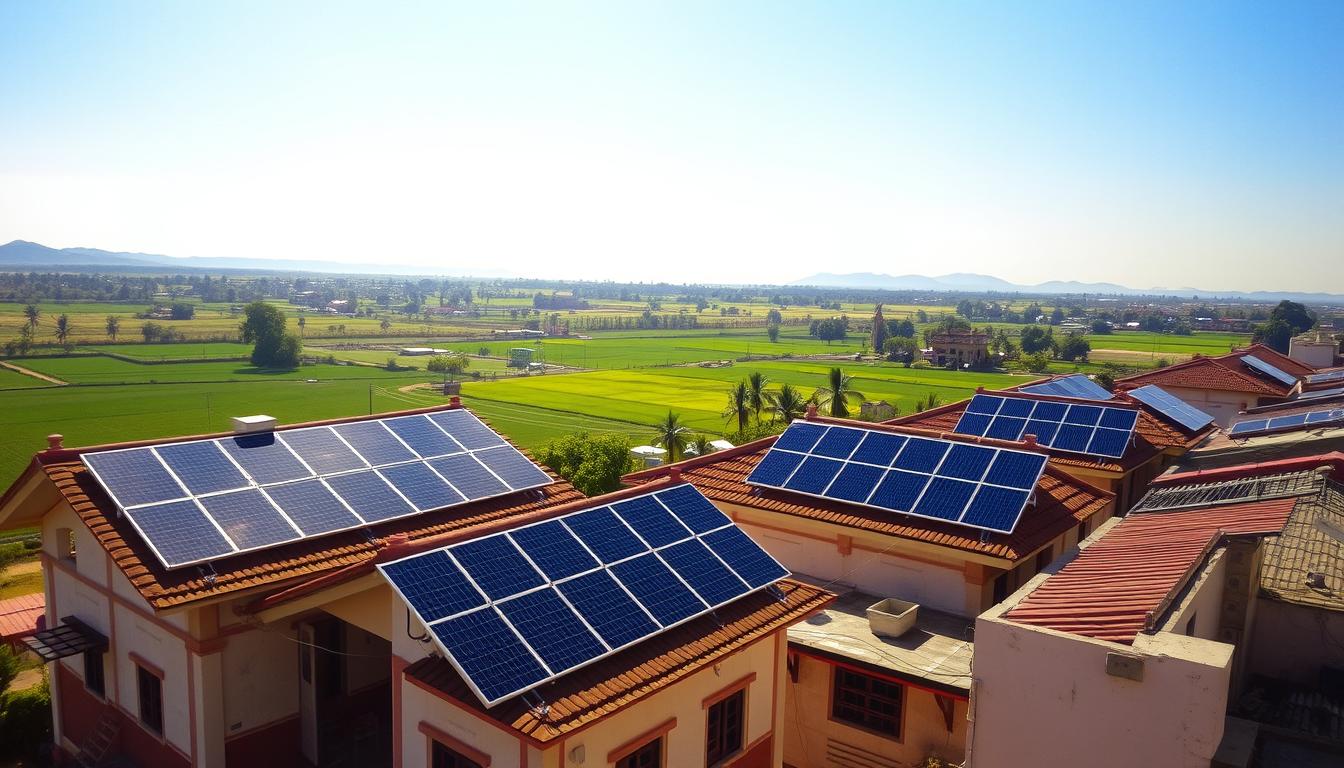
[973,485]
[1309,420]
[516,609]
[1321,378]
[1320,393]
[1075,385]
[1171,407]
[1095,430]
[1274,372]
[205,499]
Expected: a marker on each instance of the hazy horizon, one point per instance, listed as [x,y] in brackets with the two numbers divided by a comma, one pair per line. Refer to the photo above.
[1145,145]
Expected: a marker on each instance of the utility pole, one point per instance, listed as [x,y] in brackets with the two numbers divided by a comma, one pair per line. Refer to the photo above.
[370,399]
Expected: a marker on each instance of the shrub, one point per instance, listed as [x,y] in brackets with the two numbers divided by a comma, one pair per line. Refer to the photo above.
[25,722]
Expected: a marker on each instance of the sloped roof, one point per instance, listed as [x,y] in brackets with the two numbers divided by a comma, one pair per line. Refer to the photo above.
[1311,542]
[1156,433]
[21,616]
[1118,586]
[1224,372]
[304,559]
[605,687]
[1061,501]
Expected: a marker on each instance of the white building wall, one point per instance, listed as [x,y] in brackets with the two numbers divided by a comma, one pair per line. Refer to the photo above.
[1221,405]
[136,634]
[260,672]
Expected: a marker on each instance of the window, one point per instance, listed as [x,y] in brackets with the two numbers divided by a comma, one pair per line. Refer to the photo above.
[151,699]
[867,702]
[1000,587]
[65,544]
[723,729]
[648,756]
[1190,625]
[443,757]
[1082,530]
[1044,557]
[93,672]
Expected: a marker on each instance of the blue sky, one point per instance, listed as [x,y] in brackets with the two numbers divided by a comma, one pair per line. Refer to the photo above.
[1146,144]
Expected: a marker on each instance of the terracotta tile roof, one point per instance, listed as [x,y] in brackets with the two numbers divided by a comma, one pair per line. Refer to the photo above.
[1156,434]
[1225,372]
[1061,503]
[22,616]
[163,588]
[605,687]
[1119,585]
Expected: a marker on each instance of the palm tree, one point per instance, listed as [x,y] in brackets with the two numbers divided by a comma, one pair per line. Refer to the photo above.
[787,404]
[670,434]
[739,405]
[756,388]
[700,446]
[32,313]
[112,324]
[302,322]
[836,395]
[63,329]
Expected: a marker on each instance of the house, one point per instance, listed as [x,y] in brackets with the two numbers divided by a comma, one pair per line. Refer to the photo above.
[891,690]
[958,348]
[1225,385]
[1317,348]
[1307,425]
[1155,441]
[346,604]
[1194,631]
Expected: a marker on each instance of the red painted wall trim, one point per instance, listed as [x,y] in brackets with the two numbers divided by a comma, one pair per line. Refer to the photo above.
[148,666]
[728,690]
[398,667]
[873,673]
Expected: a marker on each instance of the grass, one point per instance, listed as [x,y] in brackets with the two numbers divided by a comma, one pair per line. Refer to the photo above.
[182,351]
[10,379]
[17,581]
[108,370]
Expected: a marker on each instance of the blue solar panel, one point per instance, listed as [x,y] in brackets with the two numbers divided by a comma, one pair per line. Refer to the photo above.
[706,574]
[607,607]
[800,436]
[552,629]
[374,442]
[1321,393]
[1062,426]
[1306,420]
[775,468]
[423,436]
[202,467]
[745,557]
[370,496]
[490,655]
[434,586]
[1249,426]
[513,467]
[1171,407]
[595,588]
[466,429]
[312,507]
[249,519]
[878,448]
[265,459]
[133,476]
[1325,376]
[180,533]
[322,450]
[497,566]
[468,476]
[554,549]
[286,466]
[1076,385]
[837,443]
[932,478]
[1273,372]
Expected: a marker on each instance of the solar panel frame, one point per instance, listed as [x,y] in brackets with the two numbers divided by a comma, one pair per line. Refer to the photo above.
[1326,417]
[902,488]
[141,477]
[1171,407]
[1320,378]
[1075,385]
[605,598]
[1270,370]
[1067,434]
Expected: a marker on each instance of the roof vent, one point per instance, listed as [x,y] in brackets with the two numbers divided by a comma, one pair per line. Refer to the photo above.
[243,425]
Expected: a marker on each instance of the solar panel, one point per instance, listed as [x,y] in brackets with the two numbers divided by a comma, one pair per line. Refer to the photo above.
[1076,385]
[1096,430]
[1278,374]
[1318,394]
[1327,376]
[944,480]
[1288,423]
[245,492]
[516,609]
[1171,407]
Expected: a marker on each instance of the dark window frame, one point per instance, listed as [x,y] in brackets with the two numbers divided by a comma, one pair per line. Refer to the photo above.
[95,679]
[866,702]
[443,756]
[149,696]
[725,728]
[649,755]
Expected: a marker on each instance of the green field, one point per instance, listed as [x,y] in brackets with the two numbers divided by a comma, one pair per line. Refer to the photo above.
[96,369]
[15,380]
[183,351]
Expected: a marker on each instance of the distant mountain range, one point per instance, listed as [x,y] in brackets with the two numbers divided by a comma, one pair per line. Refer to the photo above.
[21,253]
[963,281]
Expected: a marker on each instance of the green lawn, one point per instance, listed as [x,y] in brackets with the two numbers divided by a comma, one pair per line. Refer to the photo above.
[108,370]
[1165,343]
[183,351]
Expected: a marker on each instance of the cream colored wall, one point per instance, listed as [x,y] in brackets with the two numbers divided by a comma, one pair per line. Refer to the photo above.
[368,610]
[1026,676]
[261,678]
[1222,406]
[1316,355]
[1292,642]
[809,731]
[1202,601]
[418,705]
[155,645]
[367,663]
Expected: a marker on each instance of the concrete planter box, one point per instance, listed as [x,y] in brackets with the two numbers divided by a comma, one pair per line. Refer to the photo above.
[892,617]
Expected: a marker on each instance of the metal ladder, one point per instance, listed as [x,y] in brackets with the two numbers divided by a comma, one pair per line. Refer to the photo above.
[92,752]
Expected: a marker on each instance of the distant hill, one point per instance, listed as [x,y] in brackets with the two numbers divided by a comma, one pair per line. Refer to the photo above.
[21,253]
[963,281]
